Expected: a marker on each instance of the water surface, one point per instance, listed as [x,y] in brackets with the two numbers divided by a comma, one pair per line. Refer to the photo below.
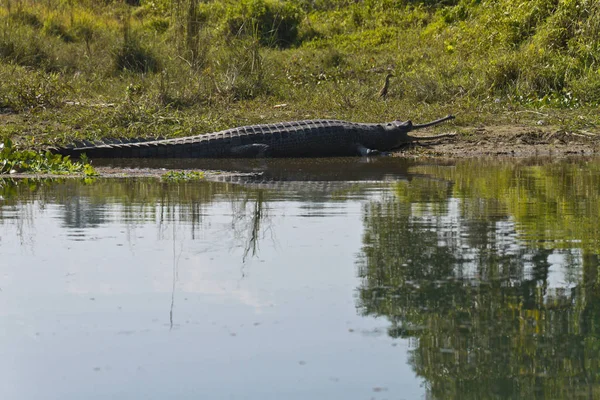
[319,279]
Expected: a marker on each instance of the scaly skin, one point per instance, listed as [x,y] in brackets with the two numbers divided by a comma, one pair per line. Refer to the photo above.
[313,138]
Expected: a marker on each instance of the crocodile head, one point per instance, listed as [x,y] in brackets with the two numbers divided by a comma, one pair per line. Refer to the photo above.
[396,132]
[394,135]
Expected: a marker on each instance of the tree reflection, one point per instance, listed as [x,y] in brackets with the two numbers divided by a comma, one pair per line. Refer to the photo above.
[136,201]
[458,277]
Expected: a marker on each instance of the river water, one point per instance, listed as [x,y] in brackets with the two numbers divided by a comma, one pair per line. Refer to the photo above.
[310,279]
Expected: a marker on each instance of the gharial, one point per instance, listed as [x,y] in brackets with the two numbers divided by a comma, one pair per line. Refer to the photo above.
[311,138]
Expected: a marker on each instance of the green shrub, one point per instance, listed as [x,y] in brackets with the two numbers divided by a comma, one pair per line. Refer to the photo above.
[333,58]
[544,72]
[159,24]
[26,18]
[241,70]
[53,27]
[503,73]
[586,88]
[454,14]
[84,31]
[275,24]
[133,56]
[29,90]
[23,48]
[358,15]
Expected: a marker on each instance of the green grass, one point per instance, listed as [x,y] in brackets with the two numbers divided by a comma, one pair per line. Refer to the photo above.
[88,70]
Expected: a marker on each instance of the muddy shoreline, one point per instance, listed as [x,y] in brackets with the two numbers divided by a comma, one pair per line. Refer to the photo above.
[511,141]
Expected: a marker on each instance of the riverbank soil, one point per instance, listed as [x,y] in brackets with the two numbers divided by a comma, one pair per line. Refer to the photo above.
[509,140]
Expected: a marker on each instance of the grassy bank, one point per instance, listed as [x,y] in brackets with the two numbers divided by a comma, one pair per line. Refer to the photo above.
[84,69]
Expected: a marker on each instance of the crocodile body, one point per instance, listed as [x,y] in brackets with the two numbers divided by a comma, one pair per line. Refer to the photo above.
[312,138]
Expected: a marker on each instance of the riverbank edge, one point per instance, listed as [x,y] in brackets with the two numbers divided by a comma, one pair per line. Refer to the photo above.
[491,144]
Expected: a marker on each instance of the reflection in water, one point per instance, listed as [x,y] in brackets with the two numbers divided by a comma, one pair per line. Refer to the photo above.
[78,214]
[470,279]
[136,201]
[490,270]
[257,214]
[176,257]
[284,170]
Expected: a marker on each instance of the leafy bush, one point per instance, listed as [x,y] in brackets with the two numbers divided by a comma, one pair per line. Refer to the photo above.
[158,24]
[23,48]
[133,56]
[31,90]
[275,24]
[503,73]
[53,27]
[26,18]
[241,74]
[84,31]
[333,58]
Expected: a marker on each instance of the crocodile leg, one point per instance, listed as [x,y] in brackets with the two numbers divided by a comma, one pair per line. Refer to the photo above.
[256,150]
[364,151]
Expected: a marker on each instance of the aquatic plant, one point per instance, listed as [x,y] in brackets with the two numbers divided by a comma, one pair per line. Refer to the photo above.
[183,176]
[13,160]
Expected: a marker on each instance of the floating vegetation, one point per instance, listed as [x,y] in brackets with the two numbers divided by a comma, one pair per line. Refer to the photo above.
[13,160]
[183,176]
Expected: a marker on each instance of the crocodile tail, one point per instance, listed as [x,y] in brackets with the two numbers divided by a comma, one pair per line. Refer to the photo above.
[90,150]
[110,148]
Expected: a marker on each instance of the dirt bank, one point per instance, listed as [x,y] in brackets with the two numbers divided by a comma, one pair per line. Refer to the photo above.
[504,140]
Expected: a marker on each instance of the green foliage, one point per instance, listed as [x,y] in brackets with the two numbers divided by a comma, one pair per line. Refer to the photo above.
[333,58]
[244,74]
[22,47]
[135,57]
[85,31]
[54,26]
[26,91]
[14,161]
[274,23]
[503,73]
[159,24]
[132,55]
[183,176]
[25,17]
